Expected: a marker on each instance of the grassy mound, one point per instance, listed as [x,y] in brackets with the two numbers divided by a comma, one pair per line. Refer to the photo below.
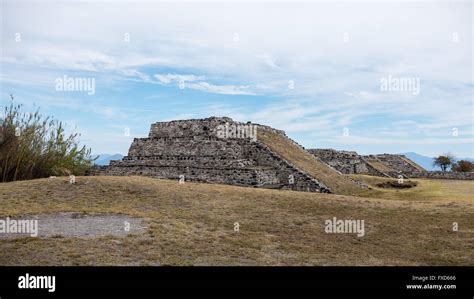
[338,183]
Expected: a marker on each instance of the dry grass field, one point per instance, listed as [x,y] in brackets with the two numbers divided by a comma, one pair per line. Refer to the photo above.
[452,191]
[193,224]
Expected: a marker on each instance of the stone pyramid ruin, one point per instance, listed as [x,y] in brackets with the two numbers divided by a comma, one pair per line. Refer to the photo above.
[384,165]
[220,150]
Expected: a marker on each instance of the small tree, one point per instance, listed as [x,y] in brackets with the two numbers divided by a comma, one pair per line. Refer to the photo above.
[444,161]
[463,166]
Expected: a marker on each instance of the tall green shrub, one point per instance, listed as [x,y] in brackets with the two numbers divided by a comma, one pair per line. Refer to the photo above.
[33,146]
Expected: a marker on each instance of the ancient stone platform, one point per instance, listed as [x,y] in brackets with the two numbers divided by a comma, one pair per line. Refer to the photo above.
[386,165]
[212,150]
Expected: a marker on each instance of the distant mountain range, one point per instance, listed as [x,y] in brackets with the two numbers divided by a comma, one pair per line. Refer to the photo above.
[423,161]
[104,159]
[427,162]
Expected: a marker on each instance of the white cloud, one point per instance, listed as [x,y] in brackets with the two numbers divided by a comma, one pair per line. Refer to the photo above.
[337,83]
[221,89]
[425,141]
[170,78]
[136,74]
[196,83]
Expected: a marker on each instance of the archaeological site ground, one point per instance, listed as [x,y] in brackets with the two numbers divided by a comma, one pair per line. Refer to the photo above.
[218,192]
[253,149]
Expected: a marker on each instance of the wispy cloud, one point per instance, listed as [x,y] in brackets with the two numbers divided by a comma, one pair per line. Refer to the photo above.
[426,141]
[333,54]
[198,83]
[170,78]
[221,89]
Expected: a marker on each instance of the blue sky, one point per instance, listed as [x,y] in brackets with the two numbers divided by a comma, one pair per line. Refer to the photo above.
[241,60]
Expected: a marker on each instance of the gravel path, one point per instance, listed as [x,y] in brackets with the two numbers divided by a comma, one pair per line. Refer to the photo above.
[79,225]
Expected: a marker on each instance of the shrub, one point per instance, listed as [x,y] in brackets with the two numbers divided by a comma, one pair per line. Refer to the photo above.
[33,146]
[463,166]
